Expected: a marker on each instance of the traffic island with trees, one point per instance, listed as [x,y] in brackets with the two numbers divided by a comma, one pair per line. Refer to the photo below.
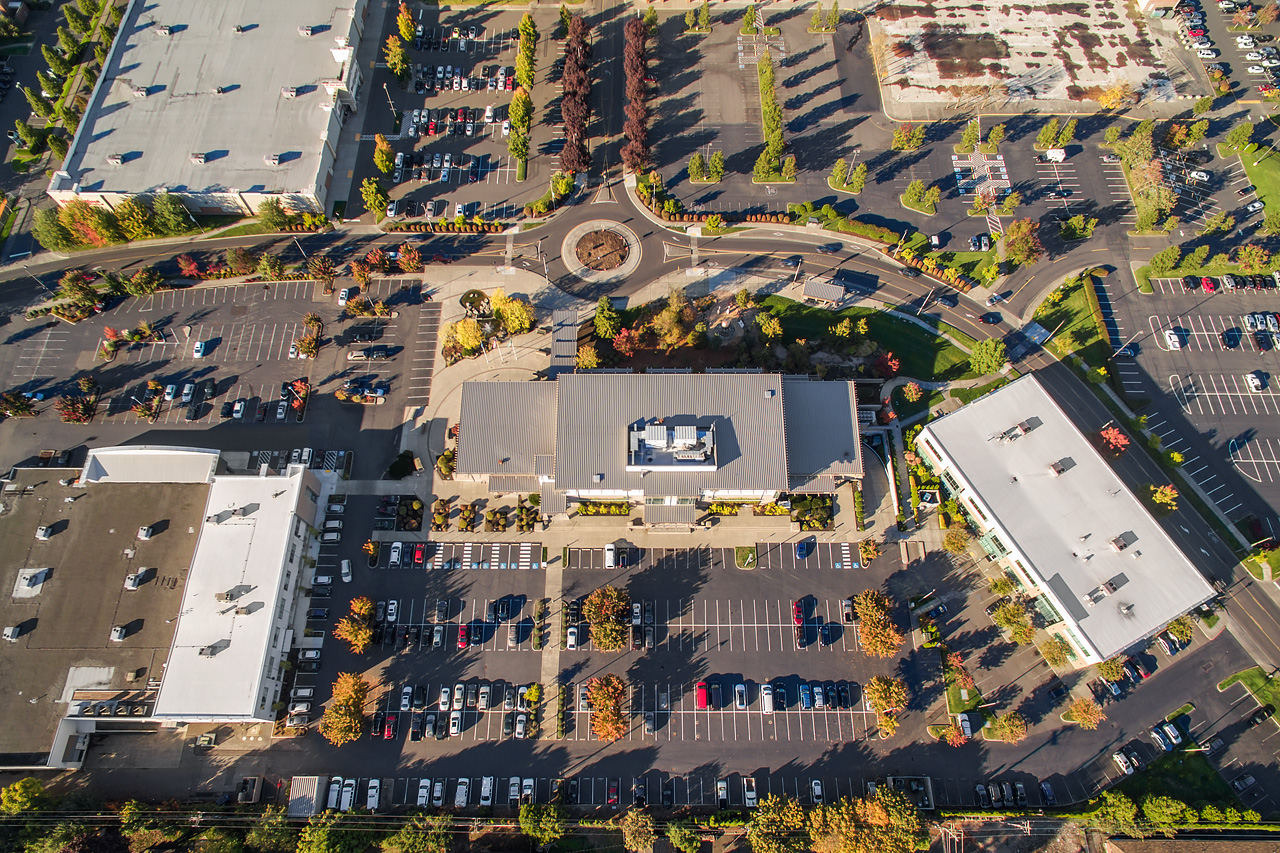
[607,610]
[496,316]
[635,65]
[770,166]
[575,101]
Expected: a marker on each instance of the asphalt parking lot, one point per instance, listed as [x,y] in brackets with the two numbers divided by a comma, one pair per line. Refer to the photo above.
[1201,402]
[247,331]
[448,171]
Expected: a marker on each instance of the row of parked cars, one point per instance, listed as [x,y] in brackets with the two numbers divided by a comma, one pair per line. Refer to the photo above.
[1231,283]
[342,792]
[815,696]
[446,719]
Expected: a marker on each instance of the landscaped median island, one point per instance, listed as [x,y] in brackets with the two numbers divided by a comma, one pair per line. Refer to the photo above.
[1073,316]
[1263,688]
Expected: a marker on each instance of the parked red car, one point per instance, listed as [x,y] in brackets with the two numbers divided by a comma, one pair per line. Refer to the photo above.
[1207,285]
[462,636]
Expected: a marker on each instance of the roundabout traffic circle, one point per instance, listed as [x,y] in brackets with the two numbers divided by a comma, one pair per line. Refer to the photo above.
[601,251]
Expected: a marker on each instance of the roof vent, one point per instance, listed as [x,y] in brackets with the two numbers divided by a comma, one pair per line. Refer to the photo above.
[1119,544]
[207,652]
[222,596]
[289,91]
[237,29]
[218,90]
[164,30]
[115,159]
[271,159]
[768,392]
[139,92]
[599,478]
[197,158]
[243,611]
[1056,469]
[305,31]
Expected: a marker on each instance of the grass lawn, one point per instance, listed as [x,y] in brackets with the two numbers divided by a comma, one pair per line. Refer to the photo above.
[1251,564]
[1073,325]
[969,263]
[907,409]
[958,705]
[1265,690]
[1265,176]
[918,206]
[968,395]
[1185,776]
[921,354]
[242,230]
[1185,709]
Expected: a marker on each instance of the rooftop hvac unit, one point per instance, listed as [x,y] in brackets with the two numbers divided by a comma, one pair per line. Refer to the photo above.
[1119,544]
[289,92]
[197,158]
[206,652]
[242,611]
[222,596]
[164,30]
[139,92]
[1056,469]
[305,31]
[271,159]
[115,159]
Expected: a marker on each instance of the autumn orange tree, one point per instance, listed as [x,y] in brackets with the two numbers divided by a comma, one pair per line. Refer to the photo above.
[886,696]
[1086,712]
[343,719]
[356,628]
[885,822]
[880,637]
[607,720]
[954,736]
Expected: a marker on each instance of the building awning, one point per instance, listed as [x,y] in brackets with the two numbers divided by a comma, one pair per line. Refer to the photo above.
[670,513]
[553,502]
[823,291]
[821,485]
[508,484]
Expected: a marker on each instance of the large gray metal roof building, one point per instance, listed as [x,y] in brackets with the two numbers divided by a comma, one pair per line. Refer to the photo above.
[667,439]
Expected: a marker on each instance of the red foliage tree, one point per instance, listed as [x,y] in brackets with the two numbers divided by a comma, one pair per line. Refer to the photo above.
[626,342]
[188,266]
[1114,439]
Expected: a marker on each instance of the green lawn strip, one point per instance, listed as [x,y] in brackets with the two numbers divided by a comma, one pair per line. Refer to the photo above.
[921,355]
[968,395]
[956,335]
[1185,709]
[1265,175]
[958,705]
[9,220]
[1143,276]
[1251,564]
[918,207]
[1074,324]
[1185,776]
[241,231]
[1265,690]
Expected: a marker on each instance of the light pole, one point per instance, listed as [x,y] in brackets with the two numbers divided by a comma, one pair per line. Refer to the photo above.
[38,281]
[395,114]
[300,249]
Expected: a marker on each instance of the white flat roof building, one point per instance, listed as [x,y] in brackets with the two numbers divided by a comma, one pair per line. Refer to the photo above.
[224,104]
[1071,531]
[234,627]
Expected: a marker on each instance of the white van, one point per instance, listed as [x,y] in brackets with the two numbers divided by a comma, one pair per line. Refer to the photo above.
[610,556]
[335,789]
[460,799]
[486,791]
[331,538]
[346,571]
[303,693]
[333,524]
[766,699]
